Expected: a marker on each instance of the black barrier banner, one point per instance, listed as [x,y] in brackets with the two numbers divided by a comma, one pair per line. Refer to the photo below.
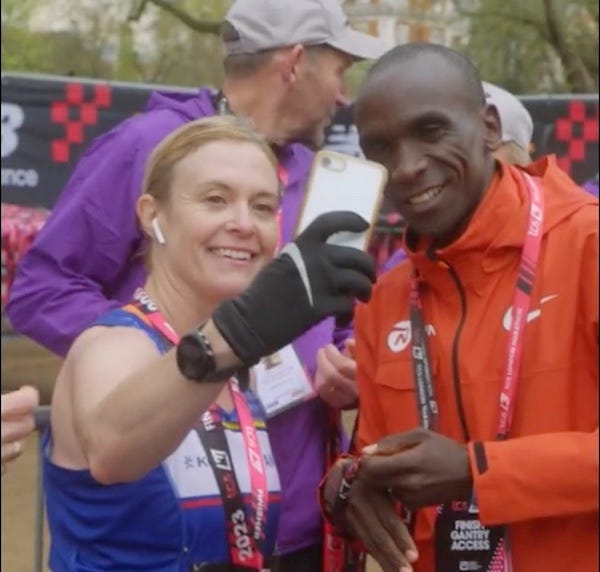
[48,121]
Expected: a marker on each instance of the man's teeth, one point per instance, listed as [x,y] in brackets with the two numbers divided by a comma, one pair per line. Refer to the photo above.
[426,196]
[235,254]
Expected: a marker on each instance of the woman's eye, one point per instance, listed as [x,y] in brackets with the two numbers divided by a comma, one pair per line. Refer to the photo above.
[215,199]
[265,208]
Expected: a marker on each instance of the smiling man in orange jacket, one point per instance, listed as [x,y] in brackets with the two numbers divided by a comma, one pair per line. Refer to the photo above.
[478,356]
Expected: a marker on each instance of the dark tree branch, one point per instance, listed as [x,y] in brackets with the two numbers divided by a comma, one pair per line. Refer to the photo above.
[575,72]
[201,26]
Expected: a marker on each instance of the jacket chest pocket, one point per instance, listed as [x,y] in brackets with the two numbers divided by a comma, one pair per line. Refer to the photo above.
[396,390]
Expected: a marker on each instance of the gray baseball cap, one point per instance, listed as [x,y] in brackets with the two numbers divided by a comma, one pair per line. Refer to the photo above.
[257,25]
[515,120]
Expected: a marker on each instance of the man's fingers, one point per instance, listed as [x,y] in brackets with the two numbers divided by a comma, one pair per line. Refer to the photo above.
[342,364]
[396,443]
[327,374]
[11,451]
[401,536]
[19,402]
[350,348]
[17,428]
[367,524]
[390,471]
[395,526]
[335,378]
[339,398]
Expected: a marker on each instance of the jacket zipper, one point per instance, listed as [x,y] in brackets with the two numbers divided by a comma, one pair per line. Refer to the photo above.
[455,346]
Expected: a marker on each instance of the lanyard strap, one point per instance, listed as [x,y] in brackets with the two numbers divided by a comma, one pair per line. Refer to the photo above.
[521,303]
[424,382]
[426,399]
[246,534]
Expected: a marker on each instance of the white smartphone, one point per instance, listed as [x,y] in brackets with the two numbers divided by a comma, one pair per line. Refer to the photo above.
[339,182]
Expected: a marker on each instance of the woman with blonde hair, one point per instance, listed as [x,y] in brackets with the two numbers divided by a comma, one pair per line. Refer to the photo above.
[157,458]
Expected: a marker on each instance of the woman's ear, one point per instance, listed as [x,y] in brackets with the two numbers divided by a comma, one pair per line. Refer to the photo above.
[147,213]
[493,127]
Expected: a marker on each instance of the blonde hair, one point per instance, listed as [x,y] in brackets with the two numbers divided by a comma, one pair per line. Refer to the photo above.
[191,136]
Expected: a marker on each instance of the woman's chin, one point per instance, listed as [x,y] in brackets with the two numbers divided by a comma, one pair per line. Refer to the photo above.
[230,288]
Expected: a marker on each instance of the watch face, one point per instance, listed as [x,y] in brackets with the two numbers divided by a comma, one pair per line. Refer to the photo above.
[194,360]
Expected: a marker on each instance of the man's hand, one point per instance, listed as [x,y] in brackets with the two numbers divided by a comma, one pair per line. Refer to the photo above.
[17,421]
[335,377]
[370,516]
[421,467]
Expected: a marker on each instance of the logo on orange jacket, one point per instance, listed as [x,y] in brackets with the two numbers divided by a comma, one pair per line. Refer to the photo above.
[507,319]
[399,337]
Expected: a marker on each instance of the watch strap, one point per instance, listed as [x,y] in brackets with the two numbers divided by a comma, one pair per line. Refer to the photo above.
[212,374]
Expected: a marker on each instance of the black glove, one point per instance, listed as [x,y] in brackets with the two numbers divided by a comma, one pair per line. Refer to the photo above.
[307,282]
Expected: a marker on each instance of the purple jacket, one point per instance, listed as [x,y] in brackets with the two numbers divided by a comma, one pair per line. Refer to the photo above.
[396,258]
[86,260]
[591,186]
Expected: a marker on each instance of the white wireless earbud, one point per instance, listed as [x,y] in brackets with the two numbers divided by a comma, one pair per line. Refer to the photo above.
[160,237]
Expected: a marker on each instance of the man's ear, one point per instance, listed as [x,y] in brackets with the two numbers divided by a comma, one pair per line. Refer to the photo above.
[290,58]
[493,127]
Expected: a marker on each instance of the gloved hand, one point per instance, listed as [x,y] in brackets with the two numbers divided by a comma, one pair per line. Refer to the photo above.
[307,282]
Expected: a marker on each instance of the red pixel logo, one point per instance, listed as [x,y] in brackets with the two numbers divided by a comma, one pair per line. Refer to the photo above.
[88,115]
[576,139]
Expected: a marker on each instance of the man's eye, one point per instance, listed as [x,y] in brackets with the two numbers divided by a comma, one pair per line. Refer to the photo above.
[433,130]
[375,147]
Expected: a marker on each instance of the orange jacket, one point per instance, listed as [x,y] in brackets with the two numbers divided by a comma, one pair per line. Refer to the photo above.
[543,481]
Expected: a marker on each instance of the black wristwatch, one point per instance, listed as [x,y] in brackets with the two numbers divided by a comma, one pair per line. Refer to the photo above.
[196,359]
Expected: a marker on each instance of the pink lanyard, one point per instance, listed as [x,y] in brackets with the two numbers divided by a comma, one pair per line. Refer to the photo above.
[245,535]
[521,304]
[427,402]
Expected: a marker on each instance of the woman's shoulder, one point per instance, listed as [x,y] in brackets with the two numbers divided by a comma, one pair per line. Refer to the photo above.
[111,344]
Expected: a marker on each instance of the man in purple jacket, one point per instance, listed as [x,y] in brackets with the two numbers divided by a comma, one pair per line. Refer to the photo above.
[284,69]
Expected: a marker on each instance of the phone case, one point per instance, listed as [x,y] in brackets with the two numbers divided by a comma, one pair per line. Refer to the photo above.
[343,182]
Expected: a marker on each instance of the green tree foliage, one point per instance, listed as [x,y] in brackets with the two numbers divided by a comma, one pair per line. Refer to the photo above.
[534,46]
[97,39]
[528,46]
[182,54]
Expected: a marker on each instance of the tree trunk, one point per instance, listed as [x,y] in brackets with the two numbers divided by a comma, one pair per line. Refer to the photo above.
[576,74]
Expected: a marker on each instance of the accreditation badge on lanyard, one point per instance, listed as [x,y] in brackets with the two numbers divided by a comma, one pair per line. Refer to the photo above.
[462,542]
